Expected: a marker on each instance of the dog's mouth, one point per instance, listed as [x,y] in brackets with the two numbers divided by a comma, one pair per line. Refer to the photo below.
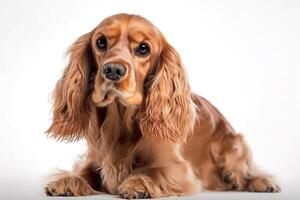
[105,95]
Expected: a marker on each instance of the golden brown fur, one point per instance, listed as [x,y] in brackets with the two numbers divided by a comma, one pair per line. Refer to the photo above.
[147,134]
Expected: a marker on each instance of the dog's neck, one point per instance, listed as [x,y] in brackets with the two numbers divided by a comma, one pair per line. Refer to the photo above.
[118,123]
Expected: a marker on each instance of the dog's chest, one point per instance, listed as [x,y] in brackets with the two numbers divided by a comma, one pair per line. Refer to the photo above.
[117,148]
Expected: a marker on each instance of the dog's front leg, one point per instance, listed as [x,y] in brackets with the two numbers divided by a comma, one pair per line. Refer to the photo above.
[164,173]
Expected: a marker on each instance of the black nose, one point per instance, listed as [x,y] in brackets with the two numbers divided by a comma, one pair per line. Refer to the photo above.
[113,71]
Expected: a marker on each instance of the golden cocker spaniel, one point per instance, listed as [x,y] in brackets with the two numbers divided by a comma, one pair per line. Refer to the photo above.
[126,93]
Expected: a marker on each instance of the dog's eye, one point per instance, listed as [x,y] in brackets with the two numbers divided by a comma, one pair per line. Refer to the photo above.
[143,49]
[102,43]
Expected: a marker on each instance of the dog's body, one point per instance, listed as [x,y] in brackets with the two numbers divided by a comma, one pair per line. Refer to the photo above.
[147,134]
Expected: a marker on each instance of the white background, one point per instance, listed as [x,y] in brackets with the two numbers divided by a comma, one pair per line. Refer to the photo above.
[243,56]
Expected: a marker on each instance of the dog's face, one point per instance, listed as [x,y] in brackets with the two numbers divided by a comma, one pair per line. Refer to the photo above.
[124,49]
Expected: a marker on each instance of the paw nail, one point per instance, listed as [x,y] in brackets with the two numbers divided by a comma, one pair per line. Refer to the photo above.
[68,193]
[142,195]
[227,177]
[48,192]
[270,189]
[235,186]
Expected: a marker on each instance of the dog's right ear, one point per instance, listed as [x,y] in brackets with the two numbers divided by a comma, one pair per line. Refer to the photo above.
[72,109]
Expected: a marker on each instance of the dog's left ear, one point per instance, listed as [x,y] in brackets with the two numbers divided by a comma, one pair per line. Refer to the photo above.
[168,112]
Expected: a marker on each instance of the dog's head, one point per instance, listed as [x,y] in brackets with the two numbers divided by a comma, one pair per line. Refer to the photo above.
[125,59]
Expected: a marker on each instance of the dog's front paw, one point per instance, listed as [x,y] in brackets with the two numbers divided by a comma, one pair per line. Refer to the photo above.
[137,187]
[262,184]
[58,188]
[69,186]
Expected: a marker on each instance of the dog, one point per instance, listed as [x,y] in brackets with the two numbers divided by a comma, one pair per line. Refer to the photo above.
[125,92]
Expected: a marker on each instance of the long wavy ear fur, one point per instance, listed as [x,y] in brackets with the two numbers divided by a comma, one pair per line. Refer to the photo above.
[168,112]
[71,110]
